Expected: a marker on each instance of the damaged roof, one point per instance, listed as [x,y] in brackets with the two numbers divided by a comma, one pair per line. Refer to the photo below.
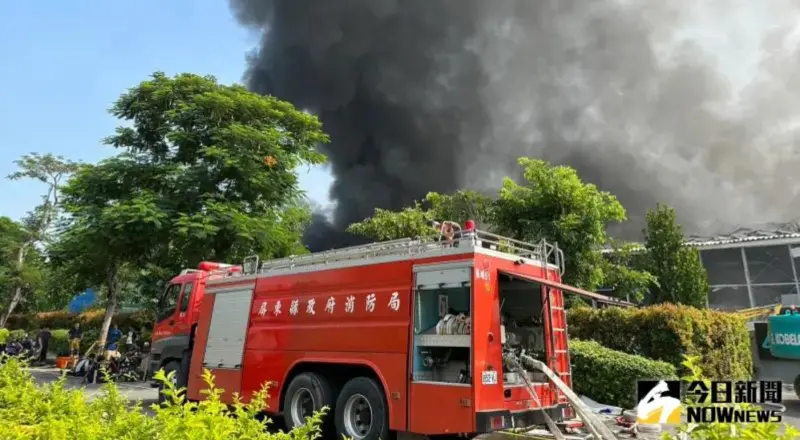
[771,231]
[785,233]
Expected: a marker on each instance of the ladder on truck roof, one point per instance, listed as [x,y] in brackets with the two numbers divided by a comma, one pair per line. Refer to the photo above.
[543,251]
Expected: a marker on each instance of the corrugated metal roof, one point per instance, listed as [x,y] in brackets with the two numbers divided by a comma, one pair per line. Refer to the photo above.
[771,231]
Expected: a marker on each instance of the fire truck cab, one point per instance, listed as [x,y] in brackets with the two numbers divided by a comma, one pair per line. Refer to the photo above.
[177,313]
[399,336]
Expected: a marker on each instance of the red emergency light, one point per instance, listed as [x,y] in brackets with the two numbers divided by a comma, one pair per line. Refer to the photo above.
[208,266]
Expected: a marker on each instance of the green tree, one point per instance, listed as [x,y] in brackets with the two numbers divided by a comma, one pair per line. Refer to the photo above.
[206,172]
[461,206]
[555,204]
[623,274]
[682,279]
[412,221]
[52,171]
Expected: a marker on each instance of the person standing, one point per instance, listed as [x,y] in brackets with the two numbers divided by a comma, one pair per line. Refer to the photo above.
[112,342]
[44,344]
[75,334]
[129,340]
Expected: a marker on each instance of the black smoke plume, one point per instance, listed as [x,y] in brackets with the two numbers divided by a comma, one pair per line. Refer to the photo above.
[694,104]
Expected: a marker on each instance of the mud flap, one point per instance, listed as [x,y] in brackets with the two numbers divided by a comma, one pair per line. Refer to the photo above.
[183,373]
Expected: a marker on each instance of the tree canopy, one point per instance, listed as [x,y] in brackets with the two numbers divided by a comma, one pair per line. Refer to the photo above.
[551,203]
[206,171]
[35,228]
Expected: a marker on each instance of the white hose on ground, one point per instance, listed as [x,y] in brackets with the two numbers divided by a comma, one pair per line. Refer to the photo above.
[551,425]
[595,426]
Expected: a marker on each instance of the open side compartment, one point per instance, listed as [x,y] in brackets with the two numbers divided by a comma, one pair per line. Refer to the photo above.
[443,327]
[522,314]
[441,391]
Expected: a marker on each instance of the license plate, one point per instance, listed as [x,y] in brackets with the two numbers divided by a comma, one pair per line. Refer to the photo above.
[489,377]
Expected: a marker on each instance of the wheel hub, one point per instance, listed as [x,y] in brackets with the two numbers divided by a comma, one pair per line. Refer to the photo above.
[357,416]
[302,406]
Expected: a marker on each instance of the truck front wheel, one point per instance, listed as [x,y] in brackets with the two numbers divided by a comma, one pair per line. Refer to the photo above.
[307,393]
[361,412]
[172,366]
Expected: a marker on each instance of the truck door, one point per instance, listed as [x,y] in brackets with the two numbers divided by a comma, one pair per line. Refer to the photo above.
[165,315]
[183,319]
[441,392]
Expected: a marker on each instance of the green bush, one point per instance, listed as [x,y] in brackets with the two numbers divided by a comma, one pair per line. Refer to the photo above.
[669,333]
[59,342]
[16,335]
[31,411]
[610,376]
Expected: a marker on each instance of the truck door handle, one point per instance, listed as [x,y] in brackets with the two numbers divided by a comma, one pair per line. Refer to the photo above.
[171,322]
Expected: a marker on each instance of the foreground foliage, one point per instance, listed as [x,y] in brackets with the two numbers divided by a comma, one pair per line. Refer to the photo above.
[669,333]
[30,411]
[726,431]
[610,376]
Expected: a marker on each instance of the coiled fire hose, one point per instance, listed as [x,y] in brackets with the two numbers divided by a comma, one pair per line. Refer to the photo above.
[595,426]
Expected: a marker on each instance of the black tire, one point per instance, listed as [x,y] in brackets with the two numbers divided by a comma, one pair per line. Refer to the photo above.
[168,368]
[361,412]
[797,386]
[308,393]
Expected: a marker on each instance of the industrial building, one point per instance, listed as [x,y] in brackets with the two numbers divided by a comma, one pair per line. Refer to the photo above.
[752,267]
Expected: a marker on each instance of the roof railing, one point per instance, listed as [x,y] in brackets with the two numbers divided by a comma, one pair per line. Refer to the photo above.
[543,251]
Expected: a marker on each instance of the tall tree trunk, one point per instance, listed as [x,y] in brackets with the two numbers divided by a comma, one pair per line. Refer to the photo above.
[111,307]
[17,298]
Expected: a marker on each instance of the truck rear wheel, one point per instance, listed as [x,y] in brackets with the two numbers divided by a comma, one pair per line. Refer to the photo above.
[307,393]
[361,412]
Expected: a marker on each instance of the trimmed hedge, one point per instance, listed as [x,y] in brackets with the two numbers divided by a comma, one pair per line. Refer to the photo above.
[91,322]
[609,376]
[669,333]
[89,319]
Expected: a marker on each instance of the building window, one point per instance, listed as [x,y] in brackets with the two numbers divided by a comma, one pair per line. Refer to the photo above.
[724,266]
[769,265]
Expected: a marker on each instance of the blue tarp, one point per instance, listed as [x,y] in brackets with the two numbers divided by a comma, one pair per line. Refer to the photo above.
[82,301]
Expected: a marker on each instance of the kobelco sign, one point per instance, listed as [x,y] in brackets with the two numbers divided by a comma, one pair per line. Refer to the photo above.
[785,339]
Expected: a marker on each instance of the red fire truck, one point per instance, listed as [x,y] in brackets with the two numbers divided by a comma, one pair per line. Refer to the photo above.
[402,336]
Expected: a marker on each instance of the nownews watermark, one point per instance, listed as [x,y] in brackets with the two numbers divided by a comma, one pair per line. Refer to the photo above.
[712,402]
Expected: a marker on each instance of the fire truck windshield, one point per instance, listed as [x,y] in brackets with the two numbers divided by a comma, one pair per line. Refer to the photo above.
[167,302]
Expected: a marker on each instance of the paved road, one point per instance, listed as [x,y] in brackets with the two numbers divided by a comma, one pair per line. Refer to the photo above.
[148,396]
[141,392]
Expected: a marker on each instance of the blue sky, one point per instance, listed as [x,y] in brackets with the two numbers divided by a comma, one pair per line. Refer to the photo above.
[64,63]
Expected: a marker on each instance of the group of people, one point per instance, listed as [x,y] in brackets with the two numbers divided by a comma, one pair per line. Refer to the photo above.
[90,365]
[25,346]
[86,364]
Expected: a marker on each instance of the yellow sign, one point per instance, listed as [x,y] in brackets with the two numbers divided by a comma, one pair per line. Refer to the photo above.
[659,402]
